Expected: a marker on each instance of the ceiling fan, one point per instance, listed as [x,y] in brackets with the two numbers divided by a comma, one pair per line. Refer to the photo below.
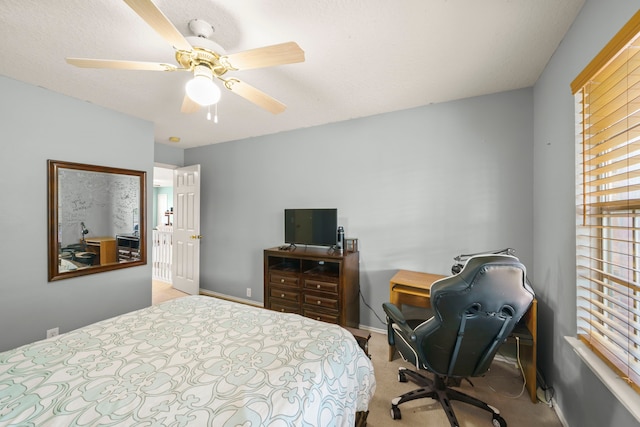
[205,59]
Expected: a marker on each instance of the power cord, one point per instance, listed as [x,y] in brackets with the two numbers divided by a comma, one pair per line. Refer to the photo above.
[369,307]
[545,393]
[524,384]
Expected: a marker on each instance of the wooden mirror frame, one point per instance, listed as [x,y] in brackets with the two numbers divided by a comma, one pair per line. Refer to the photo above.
[54,167]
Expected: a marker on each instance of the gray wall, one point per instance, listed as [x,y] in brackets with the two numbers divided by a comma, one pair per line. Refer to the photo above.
[554,217]
[169,155]
[416,187]
[37,125]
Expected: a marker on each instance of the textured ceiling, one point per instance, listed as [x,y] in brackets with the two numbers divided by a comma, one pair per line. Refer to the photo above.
[363,57]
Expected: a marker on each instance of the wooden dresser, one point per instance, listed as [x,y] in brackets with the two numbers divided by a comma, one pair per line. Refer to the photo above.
[318,283]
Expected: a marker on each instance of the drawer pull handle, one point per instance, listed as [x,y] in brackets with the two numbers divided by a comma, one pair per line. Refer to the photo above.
[281,280]
[282,310]
[317,318]
[319,302]
[281,295]
[318,286]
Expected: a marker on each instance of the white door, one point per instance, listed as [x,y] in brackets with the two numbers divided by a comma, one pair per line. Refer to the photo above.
[186,229]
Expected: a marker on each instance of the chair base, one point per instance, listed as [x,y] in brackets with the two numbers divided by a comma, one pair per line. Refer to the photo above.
[437,389]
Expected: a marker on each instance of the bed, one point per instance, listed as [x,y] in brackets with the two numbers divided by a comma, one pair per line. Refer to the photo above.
[193,361]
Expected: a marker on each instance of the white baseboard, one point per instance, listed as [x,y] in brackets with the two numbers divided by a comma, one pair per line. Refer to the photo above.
[230,298]
[369,328]
[559,413]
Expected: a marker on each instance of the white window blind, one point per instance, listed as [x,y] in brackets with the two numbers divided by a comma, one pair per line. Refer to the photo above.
[608,203]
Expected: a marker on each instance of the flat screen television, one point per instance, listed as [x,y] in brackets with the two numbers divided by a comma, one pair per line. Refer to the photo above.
[314,227]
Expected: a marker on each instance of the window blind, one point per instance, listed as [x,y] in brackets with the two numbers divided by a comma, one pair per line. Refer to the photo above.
[607,95]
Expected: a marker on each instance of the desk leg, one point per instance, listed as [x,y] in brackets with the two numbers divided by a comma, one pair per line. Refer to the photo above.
[398,298]
[531,320]
[395,300]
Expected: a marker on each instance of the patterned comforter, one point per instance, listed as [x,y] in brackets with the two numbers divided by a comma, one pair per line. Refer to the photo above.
[193,361]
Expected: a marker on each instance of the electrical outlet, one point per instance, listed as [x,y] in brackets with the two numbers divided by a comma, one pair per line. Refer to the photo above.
[248,292]
[53,332]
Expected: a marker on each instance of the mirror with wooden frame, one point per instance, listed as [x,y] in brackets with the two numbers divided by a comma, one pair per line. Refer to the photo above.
[96,219]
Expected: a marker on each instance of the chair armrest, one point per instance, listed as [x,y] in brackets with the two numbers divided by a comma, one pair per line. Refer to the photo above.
[395,315]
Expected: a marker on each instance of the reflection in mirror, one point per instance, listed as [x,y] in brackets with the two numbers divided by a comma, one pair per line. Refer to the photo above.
[96,219]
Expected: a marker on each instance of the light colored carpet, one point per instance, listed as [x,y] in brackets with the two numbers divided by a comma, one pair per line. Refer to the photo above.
[498,388]
[162,291]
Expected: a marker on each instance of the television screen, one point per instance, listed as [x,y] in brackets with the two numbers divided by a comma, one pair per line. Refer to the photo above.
[316,227]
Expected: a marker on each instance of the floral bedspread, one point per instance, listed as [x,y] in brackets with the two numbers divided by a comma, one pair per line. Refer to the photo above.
[193,361]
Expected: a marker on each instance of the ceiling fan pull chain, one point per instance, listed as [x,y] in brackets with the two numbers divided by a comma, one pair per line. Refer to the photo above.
[215,116]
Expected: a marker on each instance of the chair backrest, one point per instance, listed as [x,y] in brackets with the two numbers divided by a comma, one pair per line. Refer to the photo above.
[474,312]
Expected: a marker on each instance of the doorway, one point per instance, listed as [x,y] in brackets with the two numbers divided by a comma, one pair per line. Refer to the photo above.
[176,246]
[162,232]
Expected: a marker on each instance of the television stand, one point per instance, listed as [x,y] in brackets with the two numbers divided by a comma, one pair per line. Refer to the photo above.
[316,282]
[289,247]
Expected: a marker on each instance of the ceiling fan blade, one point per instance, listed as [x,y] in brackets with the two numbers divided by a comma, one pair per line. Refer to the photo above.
[156,20]
[254,95]
[189,106]
[268,56]
[120,65]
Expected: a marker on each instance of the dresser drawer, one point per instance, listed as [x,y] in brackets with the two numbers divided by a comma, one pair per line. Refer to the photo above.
[321,286]
[284,280]
[283,294]
[321,315]
[320,301]
[283,307]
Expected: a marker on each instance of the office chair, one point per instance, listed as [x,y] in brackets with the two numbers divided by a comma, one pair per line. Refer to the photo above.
[474,312]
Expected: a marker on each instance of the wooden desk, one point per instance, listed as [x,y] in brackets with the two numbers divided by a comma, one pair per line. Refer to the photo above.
[414,288]
[105,249]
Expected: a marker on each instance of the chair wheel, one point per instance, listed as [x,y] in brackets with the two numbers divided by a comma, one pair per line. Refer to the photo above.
[395,413]
[498,421]
[402,377]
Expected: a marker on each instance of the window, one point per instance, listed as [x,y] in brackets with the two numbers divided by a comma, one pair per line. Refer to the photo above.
[607,96]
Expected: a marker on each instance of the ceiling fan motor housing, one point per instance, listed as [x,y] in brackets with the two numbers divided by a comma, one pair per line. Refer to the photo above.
[201,28]
[201,56]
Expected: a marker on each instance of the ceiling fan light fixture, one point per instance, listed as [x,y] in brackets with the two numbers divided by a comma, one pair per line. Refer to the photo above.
[201,89]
